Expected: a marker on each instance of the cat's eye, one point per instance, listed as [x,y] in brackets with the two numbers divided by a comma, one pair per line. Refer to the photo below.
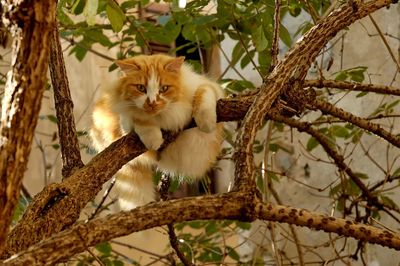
[141,88]
[164,88]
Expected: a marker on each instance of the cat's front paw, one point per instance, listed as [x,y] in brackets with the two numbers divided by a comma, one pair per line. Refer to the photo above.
[206,120]
[152,140]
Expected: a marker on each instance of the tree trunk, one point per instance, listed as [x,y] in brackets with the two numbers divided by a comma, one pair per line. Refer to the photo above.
[30,23]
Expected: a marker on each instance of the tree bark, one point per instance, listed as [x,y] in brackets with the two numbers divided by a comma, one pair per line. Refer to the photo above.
[30,23]
[243,206]
[70,153]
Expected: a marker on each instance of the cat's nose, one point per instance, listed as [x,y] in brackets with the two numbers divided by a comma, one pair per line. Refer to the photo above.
[151,103]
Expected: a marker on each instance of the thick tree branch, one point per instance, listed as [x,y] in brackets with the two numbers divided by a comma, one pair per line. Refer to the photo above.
[58,206]
[236,205]
[345,85]
[71,156]
[33,21]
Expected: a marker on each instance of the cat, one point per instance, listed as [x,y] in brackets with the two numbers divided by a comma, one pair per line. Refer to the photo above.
[159,92]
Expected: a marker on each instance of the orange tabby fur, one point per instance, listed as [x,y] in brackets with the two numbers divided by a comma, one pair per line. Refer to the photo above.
[158,92]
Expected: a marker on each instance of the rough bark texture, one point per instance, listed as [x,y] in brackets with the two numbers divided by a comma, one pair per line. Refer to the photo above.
[30,23]
[70,154]
[244,206]
[58,206]
[328,108]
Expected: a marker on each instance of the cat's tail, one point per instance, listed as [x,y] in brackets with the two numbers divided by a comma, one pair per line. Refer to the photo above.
[134,184]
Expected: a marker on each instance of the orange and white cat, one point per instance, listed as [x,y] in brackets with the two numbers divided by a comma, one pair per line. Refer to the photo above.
[159,92]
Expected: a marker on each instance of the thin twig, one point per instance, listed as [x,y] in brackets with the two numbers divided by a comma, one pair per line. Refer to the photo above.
[163,187]
[105,195]
[385,42]
[95,257]
[345,85]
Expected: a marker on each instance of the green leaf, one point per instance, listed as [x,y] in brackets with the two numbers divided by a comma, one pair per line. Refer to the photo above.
[211,228]
[285,36]
[388,201]
[357,76]
[361,94]
[312,143]
[353,188]
[20,209]
[96,35]
[396,172]
[247,58]
[237,53]
[294,9]
[90,11]
[78,6]
[243,225]
[189,32]
[63,18]
[232,253]
[340,132]
[272,176]
[259,39]
[55,146]
[115,15]
[118,263]
[342,75]
[195,224]
[79,52]
[240,85]
[104,247]
[52,118]
[393,104]
[361,175]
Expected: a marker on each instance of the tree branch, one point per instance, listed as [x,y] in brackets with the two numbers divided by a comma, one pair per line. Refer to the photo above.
[70,154]
[22,100]
[332,110]
[235,205]
[345,85]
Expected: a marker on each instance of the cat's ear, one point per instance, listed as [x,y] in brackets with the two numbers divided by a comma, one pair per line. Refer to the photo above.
[127,66]
[175,64]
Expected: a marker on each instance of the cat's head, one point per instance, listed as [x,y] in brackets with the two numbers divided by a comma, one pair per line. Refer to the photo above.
[150,82]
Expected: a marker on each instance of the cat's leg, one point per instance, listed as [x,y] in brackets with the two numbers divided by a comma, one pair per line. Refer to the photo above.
[134,182]
[151,136]
[204,108]
[192,153]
